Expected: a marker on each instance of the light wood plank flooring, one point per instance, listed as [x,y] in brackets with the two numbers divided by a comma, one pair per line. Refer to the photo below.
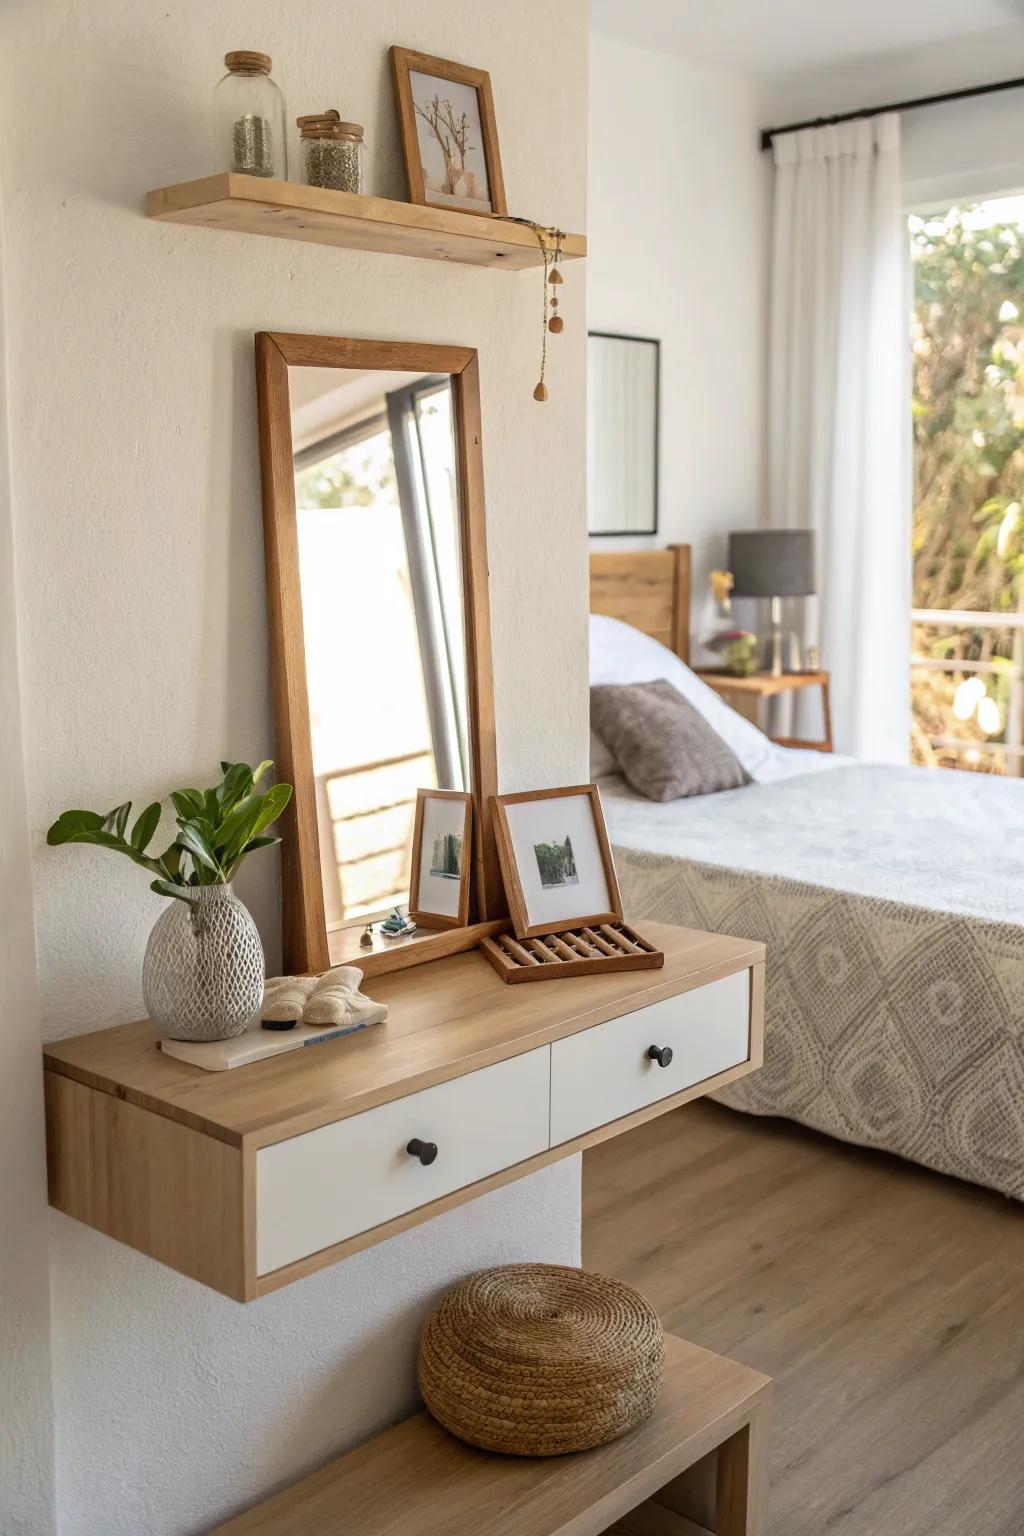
[887,1302]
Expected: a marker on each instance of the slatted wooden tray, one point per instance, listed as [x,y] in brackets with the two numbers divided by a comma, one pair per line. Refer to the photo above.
[594,951]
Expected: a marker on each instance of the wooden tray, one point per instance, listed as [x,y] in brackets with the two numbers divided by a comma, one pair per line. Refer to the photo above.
[593,951]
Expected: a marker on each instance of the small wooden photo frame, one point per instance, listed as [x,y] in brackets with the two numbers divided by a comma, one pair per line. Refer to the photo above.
[449,133]
[442,859]
[555,859]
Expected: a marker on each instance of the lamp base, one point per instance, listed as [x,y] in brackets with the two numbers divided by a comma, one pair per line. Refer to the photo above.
[776,637]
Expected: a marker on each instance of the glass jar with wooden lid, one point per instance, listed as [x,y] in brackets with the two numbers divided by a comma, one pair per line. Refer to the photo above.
[250,117]
[331,151]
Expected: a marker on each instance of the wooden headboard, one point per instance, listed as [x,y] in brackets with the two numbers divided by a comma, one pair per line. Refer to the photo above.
[648,588]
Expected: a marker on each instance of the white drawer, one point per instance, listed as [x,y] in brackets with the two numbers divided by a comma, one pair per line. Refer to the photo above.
[603,1073]
[325,1186]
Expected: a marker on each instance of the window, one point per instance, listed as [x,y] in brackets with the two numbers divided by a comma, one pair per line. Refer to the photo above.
[967,676]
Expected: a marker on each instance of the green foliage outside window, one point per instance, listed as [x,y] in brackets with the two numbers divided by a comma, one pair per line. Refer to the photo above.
[968,414]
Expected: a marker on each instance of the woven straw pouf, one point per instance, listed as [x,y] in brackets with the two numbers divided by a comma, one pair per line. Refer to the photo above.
[538,1359]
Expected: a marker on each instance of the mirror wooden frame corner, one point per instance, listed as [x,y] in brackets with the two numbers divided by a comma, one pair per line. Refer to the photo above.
[307,946]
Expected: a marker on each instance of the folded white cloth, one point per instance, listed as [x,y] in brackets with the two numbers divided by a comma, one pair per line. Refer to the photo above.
[336,999]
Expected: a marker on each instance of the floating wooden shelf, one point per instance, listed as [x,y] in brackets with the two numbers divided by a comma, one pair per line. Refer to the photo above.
[700,1460]
[248,1180]
[253,206]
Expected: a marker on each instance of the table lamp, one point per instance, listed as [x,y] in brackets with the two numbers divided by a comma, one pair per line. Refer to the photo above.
[773,563]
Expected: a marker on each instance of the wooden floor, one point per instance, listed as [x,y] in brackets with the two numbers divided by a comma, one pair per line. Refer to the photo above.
[887,1302]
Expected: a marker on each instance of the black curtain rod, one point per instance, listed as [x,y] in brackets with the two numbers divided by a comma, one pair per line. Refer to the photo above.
[768,134]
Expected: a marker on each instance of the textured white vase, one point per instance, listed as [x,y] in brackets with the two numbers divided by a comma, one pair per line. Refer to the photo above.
[202,977]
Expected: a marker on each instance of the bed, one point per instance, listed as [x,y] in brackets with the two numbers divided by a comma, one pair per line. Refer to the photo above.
[891,901]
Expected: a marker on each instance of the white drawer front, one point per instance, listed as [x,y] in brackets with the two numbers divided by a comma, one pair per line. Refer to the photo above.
[604,1073]
[325,1186]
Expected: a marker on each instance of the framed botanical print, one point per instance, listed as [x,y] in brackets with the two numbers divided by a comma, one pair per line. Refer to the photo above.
[555,859]
[441,858]
[449,134]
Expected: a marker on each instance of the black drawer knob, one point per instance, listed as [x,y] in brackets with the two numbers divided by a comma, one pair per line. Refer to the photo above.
[662,1054]
[426,1151]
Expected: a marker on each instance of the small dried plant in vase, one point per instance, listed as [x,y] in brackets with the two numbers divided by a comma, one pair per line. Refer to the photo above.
[203,972]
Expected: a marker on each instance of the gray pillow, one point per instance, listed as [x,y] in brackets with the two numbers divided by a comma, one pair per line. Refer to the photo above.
[664,748]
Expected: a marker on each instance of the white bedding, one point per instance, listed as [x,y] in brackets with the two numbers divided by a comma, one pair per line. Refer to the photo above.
[621,654]
[951,842]
[891,902]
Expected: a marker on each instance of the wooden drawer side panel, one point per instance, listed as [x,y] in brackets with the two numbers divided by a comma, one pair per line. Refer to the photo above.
[147,1181]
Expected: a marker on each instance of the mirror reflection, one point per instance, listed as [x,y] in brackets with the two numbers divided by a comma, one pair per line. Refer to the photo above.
[622,433]
[380,570]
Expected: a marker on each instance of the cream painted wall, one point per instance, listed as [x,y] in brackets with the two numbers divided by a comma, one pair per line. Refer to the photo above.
[140,599]
[26,1412]
[677,249]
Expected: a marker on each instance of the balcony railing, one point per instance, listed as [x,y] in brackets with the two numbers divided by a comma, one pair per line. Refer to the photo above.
[1011,748]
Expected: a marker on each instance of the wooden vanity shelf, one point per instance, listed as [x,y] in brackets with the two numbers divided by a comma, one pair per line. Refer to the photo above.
[248,1180]
[254,206]
[593,951]
[699,1464]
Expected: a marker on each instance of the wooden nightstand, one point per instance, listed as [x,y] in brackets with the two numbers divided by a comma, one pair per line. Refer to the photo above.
[747,696]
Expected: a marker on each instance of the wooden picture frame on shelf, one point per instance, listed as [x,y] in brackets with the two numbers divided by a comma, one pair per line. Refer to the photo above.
[451,138]
[441,899]
[535,832]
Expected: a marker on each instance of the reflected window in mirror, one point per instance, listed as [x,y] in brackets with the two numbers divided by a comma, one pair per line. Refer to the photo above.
[623,382]
[383,618]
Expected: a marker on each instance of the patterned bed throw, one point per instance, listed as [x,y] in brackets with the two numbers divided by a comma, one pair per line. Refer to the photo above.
[892,904]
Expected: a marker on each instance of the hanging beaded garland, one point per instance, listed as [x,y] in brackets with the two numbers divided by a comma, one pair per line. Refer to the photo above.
[550,242]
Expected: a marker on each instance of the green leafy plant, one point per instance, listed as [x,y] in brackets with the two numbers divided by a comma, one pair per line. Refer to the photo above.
[217,827]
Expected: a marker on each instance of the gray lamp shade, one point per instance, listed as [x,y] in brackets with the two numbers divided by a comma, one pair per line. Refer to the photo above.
[772,562]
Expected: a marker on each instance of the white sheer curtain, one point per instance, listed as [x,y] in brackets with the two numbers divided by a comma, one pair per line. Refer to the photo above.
[839,413]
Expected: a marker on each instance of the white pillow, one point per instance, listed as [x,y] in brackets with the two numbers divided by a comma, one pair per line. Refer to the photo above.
[602,759]
[621,654]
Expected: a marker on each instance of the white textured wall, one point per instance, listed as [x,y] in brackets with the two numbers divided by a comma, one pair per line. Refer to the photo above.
[141,608]
[677,250]
[26,1416]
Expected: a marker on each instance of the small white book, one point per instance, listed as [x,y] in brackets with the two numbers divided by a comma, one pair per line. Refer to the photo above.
[257,1043]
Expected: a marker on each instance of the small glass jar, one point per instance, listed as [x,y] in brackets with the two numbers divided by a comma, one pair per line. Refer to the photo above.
[250,118]
[331,151]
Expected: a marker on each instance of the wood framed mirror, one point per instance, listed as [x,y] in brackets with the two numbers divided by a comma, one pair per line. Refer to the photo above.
[376,553]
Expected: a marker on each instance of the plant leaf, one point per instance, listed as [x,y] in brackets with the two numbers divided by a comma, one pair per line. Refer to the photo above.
[249,847]
[237,783]
[168,888]
[101,838]
[192,838]
[72,825]
[116,820]
[258,772]
[188,802]
[275,801]
[234,828]
[266,809]
[145,827]
[259,842]
[171,860]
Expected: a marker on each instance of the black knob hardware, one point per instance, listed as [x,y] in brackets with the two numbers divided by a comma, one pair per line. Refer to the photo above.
[426,1151]
[662,1054]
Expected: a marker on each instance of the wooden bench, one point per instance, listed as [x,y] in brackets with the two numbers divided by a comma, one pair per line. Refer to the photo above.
[699,1464]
